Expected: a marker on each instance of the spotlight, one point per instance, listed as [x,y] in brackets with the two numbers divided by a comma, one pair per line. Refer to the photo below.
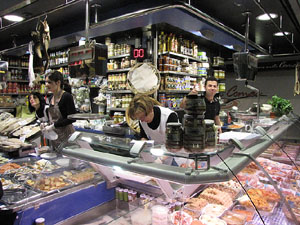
[266,17]
[280,34]
[14,18]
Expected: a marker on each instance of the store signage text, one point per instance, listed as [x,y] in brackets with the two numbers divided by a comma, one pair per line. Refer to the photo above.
[234,93]
[279,65]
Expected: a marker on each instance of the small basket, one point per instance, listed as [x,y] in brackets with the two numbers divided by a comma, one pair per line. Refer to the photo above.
[155,71]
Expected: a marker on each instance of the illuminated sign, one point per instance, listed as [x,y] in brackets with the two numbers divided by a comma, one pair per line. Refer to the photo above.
[139,53]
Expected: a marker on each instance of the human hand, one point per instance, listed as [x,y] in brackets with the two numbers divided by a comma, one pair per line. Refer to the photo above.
[43,125]
[193,92]
[49,128]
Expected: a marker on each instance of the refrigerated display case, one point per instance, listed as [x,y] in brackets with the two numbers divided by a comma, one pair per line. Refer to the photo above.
[181,175]
[55,189]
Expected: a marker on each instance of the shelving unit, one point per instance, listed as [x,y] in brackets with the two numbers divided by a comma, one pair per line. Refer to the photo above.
[182,56]
[119,56]
[18,81]
[58,66]
[118,70]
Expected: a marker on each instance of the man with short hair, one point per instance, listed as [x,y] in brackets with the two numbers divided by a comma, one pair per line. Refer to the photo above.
[212,102]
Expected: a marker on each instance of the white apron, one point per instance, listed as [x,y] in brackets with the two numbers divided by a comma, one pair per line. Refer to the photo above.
[159,134]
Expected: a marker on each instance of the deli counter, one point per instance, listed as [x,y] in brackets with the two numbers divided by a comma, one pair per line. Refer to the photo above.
[105,179]
[235,164]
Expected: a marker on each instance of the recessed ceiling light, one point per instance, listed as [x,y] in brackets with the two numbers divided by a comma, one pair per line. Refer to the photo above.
[280,34]
[13,18]
[264,17]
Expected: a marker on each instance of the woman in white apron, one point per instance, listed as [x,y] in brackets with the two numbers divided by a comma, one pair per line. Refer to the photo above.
[152,117]
[61,104]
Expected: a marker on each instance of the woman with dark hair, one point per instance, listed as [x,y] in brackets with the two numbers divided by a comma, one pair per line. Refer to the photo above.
[61,104]
[38,105]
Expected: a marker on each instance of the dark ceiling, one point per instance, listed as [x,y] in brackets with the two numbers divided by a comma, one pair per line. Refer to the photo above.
[68,17]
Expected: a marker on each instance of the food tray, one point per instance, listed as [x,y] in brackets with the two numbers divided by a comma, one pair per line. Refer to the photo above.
[10,184]
[263,212]
[9,168]
[20,196]
[232,218]
[239,209]
[49,184]
[79,177]
[214,210]
[208,219]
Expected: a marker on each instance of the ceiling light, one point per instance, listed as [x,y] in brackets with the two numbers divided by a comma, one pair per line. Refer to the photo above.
[280,34]
[265,17]
[14,18]
[229,47]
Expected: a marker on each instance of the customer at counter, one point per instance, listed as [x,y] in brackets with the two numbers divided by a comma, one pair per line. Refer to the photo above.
[211,101]
[38,105]
[61,104]
[152,117]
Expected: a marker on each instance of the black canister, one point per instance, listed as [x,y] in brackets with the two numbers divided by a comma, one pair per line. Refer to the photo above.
[195,105]
[193,120]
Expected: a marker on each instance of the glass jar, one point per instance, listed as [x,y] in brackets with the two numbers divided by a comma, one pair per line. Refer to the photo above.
[195,104]
[210,133]
[174,136]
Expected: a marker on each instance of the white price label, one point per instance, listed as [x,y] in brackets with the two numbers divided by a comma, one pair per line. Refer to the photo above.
[22,138]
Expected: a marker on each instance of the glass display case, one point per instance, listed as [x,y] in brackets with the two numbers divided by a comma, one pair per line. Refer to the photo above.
[197,179]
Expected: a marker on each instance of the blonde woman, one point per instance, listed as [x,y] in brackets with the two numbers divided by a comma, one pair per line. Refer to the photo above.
[152,117]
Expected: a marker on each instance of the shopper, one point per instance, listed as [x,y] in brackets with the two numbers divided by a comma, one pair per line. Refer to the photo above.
[211,101]
[38,105]
[61,104]
[152,117]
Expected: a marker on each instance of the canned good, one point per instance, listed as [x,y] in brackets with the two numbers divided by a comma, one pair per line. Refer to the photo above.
[222,87]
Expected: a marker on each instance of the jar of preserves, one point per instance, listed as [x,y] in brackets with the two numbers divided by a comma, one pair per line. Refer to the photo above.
[174,136]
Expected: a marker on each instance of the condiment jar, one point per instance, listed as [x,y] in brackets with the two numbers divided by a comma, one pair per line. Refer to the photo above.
[174,136]
[40,221]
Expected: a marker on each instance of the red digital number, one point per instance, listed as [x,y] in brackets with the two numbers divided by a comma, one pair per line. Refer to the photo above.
[138,53]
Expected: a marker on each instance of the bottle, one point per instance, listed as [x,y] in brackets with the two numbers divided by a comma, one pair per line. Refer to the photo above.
[160,44]
[164,43]
[173,43]
[180,45]
[169,47]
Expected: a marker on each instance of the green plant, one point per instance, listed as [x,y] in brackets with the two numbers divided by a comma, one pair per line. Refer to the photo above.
[280,106]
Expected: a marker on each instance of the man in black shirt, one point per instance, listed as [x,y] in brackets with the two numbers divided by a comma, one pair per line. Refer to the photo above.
[212,103]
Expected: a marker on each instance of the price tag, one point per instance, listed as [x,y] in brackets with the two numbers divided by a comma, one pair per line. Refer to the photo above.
[22,138]
[22,122]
